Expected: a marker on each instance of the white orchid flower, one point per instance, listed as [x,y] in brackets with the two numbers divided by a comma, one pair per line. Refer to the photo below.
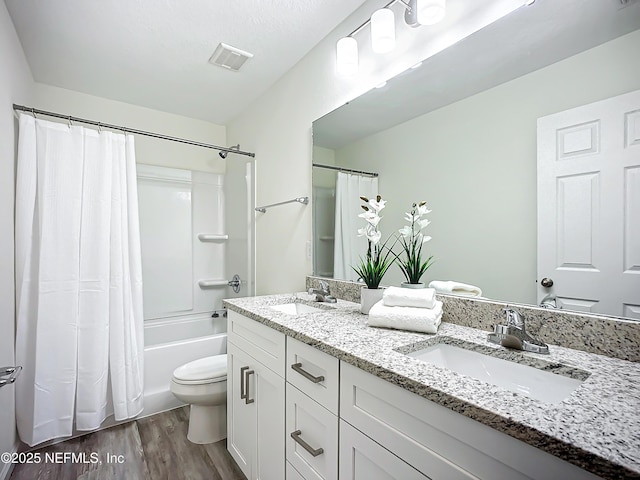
[423,223]
[408,217]
[425,239]
[377,206]
[371,217]
[374,236]
[405,231]
[422,210]
[362,232]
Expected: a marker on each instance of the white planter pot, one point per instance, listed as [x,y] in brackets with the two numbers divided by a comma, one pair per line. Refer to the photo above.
[369,297]
[412,285]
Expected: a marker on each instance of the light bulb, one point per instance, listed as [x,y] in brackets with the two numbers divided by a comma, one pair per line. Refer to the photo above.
[430,12]
[347,56]
[383,31]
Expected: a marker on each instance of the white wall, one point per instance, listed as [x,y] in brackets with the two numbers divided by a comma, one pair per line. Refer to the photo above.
[149,150]
[16,84]
[474,162]
[277,127]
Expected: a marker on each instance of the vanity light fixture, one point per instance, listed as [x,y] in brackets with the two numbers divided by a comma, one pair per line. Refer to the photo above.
[347,56]
[383,30]
[430,12]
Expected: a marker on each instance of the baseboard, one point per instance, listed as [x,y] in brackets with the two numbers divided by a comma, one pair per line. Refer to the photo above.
[7,468]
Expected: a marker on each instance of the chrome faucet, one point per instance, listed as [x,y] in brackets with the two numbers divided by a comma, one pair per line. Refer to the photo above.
[514,335]
[550,301]
[323,294]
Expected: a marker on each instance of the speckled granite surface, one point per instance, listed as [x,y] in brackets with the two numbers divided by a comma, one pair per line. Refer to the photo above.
[599,334]
[597,427]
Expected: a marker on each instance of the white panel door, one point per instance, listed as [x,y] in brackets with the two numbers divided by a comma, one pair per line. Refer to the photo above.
[589,206]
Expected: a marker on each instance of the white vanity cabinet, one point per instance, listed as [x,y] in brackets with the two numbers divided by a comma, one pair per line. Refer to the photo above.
[297,413]
[255,398]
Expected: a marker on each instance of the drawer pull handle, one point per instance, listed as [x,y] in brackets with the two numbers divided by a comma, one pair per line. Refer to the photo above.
[248,400]
[298,368]
[243,393]
[313,451]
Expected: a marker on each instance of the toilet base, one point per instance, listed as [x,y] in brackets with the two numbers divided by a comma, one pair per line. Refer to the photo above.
[207,423]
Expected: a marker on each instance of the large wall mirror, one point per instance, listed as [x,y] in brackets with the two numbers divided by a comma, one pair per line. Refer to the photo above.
[460,132]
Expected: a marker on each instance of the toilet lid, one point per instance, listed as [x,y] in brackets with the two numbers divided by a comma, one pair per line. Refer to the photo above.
[208,368]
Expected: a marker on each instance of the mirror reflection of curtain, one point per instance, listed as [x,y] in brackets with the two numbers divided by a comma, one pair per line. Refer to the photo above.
[348,246]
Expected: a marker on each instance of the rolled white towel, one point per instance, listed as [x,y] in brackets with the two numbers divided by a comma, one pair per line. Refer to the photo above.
[456,288]
[425,320]
[409,297]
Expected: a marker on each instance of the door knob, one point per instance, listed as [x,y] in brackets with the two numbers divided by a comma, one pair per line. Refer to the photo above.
[546,282]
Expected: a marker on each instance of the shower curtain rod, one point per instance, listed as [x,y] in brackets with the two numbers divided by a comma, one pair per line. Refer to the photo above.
[70,118]
[348,170]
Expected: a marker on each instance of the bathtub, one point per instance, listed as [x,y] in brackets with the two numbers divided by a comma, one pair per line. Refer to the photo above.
[169,343]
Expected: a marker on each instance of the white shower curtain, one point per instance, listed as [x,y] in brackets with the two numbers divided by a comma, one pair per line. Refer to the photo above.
[348,247]
[79,333]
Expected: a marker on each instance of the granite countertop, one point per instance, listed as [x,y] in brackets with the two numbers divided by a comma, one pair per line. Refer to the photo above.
[596,428]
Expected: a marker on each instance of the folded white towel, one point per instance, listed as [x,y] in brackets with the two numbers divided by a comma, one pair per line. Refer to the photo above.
[409,297]
[456,288]
[424,320]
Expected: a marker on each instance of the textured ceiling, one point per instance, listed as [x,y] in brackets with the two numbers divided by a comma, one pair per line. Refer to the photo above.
[155,53]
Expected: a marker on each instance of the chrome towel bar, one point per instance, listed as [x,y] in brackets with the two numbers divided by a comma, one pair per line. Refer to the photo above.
[303,200]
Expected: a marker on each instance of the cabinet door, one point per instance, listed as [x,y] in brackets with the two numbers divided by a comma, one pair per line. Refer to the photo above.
[363,459]
[241,416]
[267,389]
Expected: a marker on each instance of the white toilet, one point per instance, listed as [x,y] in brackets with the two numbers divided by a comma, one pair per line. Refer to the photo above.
[203,384]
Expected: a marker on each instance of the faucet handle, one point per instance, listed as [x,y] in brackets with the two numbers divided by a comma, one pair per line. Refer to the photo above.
[324,286]
[514,318]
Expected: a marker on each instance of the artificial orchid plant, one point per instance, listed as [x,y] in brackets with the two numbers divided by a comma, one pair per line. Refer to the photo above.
[379,257]
[411,238]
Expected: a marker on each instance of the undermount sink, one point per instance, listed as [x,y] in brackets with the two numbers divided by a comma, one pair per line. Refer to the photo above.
[530,381]
[295,308]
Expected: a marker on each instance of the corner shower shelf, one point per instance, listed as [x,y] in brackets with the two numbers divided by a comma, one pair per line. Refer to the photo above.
[212,237]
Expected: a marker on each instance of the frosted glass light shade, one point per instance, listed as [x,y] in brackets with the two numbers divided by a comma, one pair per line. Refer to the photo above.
[383,31]
[430,12]
[347,56]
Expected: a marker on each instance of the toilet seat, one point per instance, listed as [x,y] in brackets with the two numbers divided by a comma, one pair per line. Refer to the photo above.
[204,370]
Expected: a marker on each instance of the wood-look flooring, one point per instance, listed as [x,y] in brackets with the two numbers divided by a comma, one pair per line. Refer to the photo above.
[152,448]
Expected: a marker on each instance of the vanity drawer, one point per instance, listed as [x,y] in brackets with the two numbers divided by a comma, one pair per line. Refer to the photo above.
[439,442]
[363,459]
[313,372]
[264,344]
[311,437]
[292,473]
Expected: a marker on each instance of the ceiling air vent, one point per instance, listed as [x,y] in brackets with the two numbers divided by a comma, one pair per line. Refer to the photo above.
[229,57]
